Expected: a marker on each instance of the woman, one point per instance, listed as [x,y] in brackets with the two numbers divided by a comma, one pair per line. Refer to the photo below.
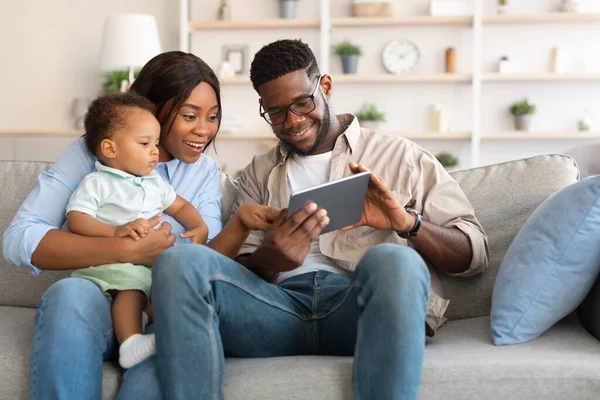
[73,328]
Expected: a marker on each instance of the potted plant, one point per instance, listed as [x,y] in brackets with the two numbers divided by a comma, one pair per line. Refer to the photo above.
[369,116]
[502,6]
[113,80]
[287,9]
[522,111]
[447,160]
[583,126]
[505,65]
[349,53]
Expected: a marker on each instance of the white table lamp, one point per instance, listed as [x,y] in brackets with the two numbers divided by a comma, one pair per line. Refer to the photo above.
[129,42]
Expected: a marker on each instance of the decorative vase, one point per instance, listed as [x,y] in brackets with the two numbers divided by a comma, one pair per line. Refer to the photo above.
[502,8]
[571,5]
[287,9]
[350,64]
[450,61]
[523,122]
[507,67]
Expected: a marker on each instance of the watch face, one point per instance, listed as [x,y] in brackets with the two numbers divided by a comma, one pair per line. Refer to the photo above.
[400,56]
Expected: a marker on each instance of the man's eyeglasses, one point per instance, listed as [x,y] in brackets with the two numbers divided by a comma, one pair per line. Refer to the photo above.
[302,106]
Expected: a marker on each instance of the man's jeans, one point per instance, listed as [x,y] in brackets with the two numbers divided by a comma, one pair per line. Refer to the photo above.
[207,307]
[73,335]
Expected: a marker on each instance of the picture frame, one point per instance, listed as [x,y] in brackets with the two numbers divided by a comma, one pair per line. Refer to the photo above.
[236,55]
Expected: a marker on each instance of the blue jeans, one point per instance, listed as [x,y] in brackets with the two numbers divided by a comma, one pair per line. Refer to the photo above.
[208,307]
[73,336]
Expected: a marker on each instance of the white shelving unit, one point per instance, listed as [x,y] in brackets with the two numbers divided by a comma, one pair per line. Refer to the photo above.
[408,135]
[477,79]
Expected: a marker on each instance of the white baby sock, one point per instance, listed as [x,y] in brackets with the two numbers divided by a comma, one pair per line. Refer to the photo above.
[144,322]
[136,349]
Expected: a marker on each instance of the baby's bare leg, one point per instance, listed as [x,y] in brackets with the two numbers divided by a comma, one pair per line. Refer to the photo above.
[127,313]
[149,313]
[127,319]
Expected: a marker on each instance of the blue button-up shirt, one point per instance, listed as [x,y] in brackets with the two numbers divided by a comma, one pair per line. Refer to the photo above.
[44,208]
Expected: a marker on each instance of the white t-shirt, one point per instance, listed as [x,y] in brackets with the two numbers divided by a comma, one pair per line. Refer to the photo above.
[115,197]
[302,173]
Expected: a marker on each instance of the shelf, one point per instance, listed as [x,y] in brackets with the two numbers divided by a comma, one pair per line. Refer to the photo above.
[382,78]
[241,135]
[435,135]
[542,77]
[406,78]
[256,24]
[412,136]
[235,80]
[21,132]
[540,135]
[417,20]
[548,18]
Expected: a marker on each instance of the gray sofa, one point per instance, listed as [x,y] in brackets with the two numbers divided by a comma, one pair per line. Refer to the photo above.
[460,361]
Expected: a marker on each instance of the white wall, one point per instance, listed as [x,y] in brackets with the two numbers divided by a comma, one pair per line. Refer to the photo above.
[50,53]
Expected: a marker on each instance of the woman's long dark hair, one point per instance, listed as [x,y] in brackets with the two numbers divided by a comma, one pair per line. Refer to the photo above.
[168,79]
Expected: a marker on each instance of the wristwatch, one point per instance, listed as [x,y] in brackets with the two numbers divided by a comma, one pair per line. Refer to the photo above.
[415,229]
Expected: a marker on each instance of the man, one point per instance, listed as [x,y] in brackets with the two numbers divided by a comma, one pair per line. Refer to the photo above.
[358,292]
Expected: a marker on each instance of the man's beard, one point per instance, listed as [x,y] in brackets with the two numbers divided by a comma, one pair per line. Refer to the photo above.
[320,137]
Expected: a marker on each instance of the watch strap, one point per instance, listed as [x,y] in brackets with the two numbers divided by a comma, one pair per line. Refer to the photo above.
[415,229]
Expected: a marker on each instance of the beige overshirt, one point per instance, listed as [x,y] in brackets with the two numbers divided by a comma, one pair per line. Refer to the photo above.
[415,177]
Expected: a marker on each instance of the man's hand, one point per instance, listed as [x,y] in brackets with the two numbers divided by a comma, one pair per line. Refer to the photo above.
[135,229]
[145,250]
[198,235]
[382,210]
[287,243]
[257,217]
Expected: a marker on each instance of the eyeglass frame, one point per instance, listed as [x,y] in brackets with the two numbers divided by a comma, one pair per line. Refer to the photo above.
[286,108]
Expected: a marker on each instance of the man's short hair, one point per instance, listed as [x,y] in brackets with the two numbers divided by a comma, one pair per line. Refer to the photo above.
[280,58]
[107,114]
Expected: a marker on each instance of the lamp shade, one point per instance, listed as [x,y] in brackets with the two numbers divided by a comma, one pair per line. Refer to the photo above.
[130,41]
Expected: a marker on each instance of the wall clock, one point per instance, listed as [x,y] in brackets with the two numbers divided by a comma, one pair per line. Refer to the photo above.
[400,56]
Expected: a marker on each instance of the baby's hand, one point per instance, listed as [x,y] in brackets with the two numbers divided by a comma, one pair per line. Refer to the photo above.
[136,229]
[198,235]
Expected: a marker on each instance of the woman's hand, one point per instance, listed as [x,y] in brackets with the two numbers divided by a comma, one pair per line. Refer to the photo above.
[382,210]
[257,217]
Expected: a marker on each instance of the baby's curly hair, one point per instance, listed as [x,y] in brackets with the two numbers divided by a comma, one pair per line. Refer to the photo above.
[107,113]
[280,58]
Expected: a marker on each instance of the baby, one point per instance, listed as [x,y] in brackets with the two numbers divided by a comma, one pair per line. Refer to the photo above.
[117,200]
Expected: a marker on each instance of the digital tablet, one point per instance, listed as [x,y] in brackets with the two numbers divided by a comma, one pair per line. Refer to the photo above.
[343,199]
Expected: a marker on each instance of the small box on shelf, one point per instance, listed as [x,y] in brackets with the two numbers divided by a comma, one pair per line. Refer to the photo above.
[366,8]
[450,8]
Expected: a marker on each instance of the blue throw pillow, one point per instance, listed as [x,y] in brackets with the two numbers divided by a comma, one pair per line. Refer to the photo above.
[550,266]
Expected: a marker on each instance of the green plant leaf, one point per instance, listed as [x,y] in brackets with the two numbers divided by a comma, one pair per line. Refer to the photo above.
[447,159]
[370,112]
[346,48]
[112,80]
[522,108]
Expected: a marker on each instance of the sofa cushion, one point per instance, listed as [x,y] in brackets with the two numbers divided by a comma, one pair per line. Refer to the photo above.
[18,287]
[460,363]
[504,196]
[16,331]
[550,266]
